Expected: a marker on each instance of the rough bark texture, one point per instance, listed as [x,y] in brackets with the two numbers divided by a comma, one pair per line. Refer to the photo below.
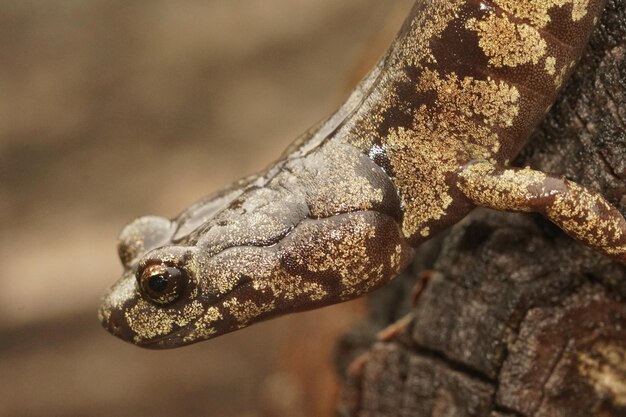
[514,318]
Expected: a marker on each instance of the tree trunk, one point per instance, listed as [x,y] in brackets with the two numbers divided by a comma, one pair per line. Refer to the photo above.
[513,317]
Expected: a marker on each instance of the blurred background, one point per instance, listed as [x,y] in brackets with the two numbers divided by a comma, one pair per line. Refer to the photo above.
[113,109]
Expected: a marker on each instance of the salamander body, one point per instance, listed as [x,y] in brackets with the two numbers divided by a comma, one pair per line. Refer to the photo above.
[426,137]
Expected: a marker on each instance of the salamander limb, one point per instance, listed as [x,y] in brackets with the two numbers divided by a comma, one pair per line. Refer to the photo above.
[582,213]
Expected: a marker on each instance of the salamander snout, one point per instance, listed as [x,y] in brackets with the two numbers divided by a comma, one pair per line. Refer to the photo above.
[114,322]
[112,312]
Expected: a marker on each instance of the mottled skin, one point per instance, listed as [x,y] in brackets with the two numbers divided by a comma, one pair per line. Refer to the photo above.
[424,139]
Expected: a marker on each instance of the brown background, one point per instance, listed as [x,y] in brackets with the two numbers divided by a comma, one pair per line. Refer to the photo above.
[114,109]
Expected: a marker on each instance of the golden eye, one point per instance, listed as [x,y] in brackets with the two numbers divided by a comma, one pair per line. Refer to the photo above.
[162,283]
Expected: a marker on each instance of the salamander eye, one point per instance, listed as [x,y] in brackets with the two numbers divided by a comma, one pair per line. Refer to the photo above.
[161,283]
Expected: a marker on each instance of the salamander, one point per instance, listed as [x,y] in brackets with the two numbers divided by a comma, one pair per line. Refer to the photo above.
[426,137]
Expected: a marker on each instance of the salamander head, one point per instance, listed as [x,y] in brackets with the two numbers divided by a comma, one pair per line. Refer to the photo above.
[175,292]
[258,250]
[171,295]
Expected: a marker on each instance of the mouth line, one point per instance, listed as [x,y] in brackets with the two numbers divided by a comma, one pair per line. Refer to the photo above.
[161,342]
[169,341]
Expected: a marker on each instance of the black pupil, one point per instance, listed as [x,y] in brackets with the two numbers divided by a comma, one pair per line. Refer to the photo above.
[158,283]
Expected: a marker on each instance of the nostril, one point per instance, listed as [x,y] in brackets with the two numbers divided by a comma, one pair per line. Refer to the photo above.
[114,326]
[114,322]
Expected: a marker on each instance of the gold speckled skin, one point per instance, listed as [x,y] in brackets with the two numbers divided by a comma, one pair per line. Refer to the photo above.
[425,138]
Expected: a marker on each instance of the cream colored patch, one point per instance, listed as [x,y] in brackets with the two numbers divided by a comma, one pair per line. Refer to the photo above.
[289,286]
[396,258]
[606,371]
[203,327]
[149,321]
[266,272]
[508,44]
[422,184]
[427,27]
[506,190]
[363,133]
[246,311]
[590,218]
[457,127]
[538,11]
[550,65]
[347,255]
[496,101]
[344,250]
[580,9]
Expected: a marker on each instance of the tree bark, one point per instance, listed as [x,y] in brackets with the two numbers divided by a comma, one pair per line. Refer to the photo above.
[513,318]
